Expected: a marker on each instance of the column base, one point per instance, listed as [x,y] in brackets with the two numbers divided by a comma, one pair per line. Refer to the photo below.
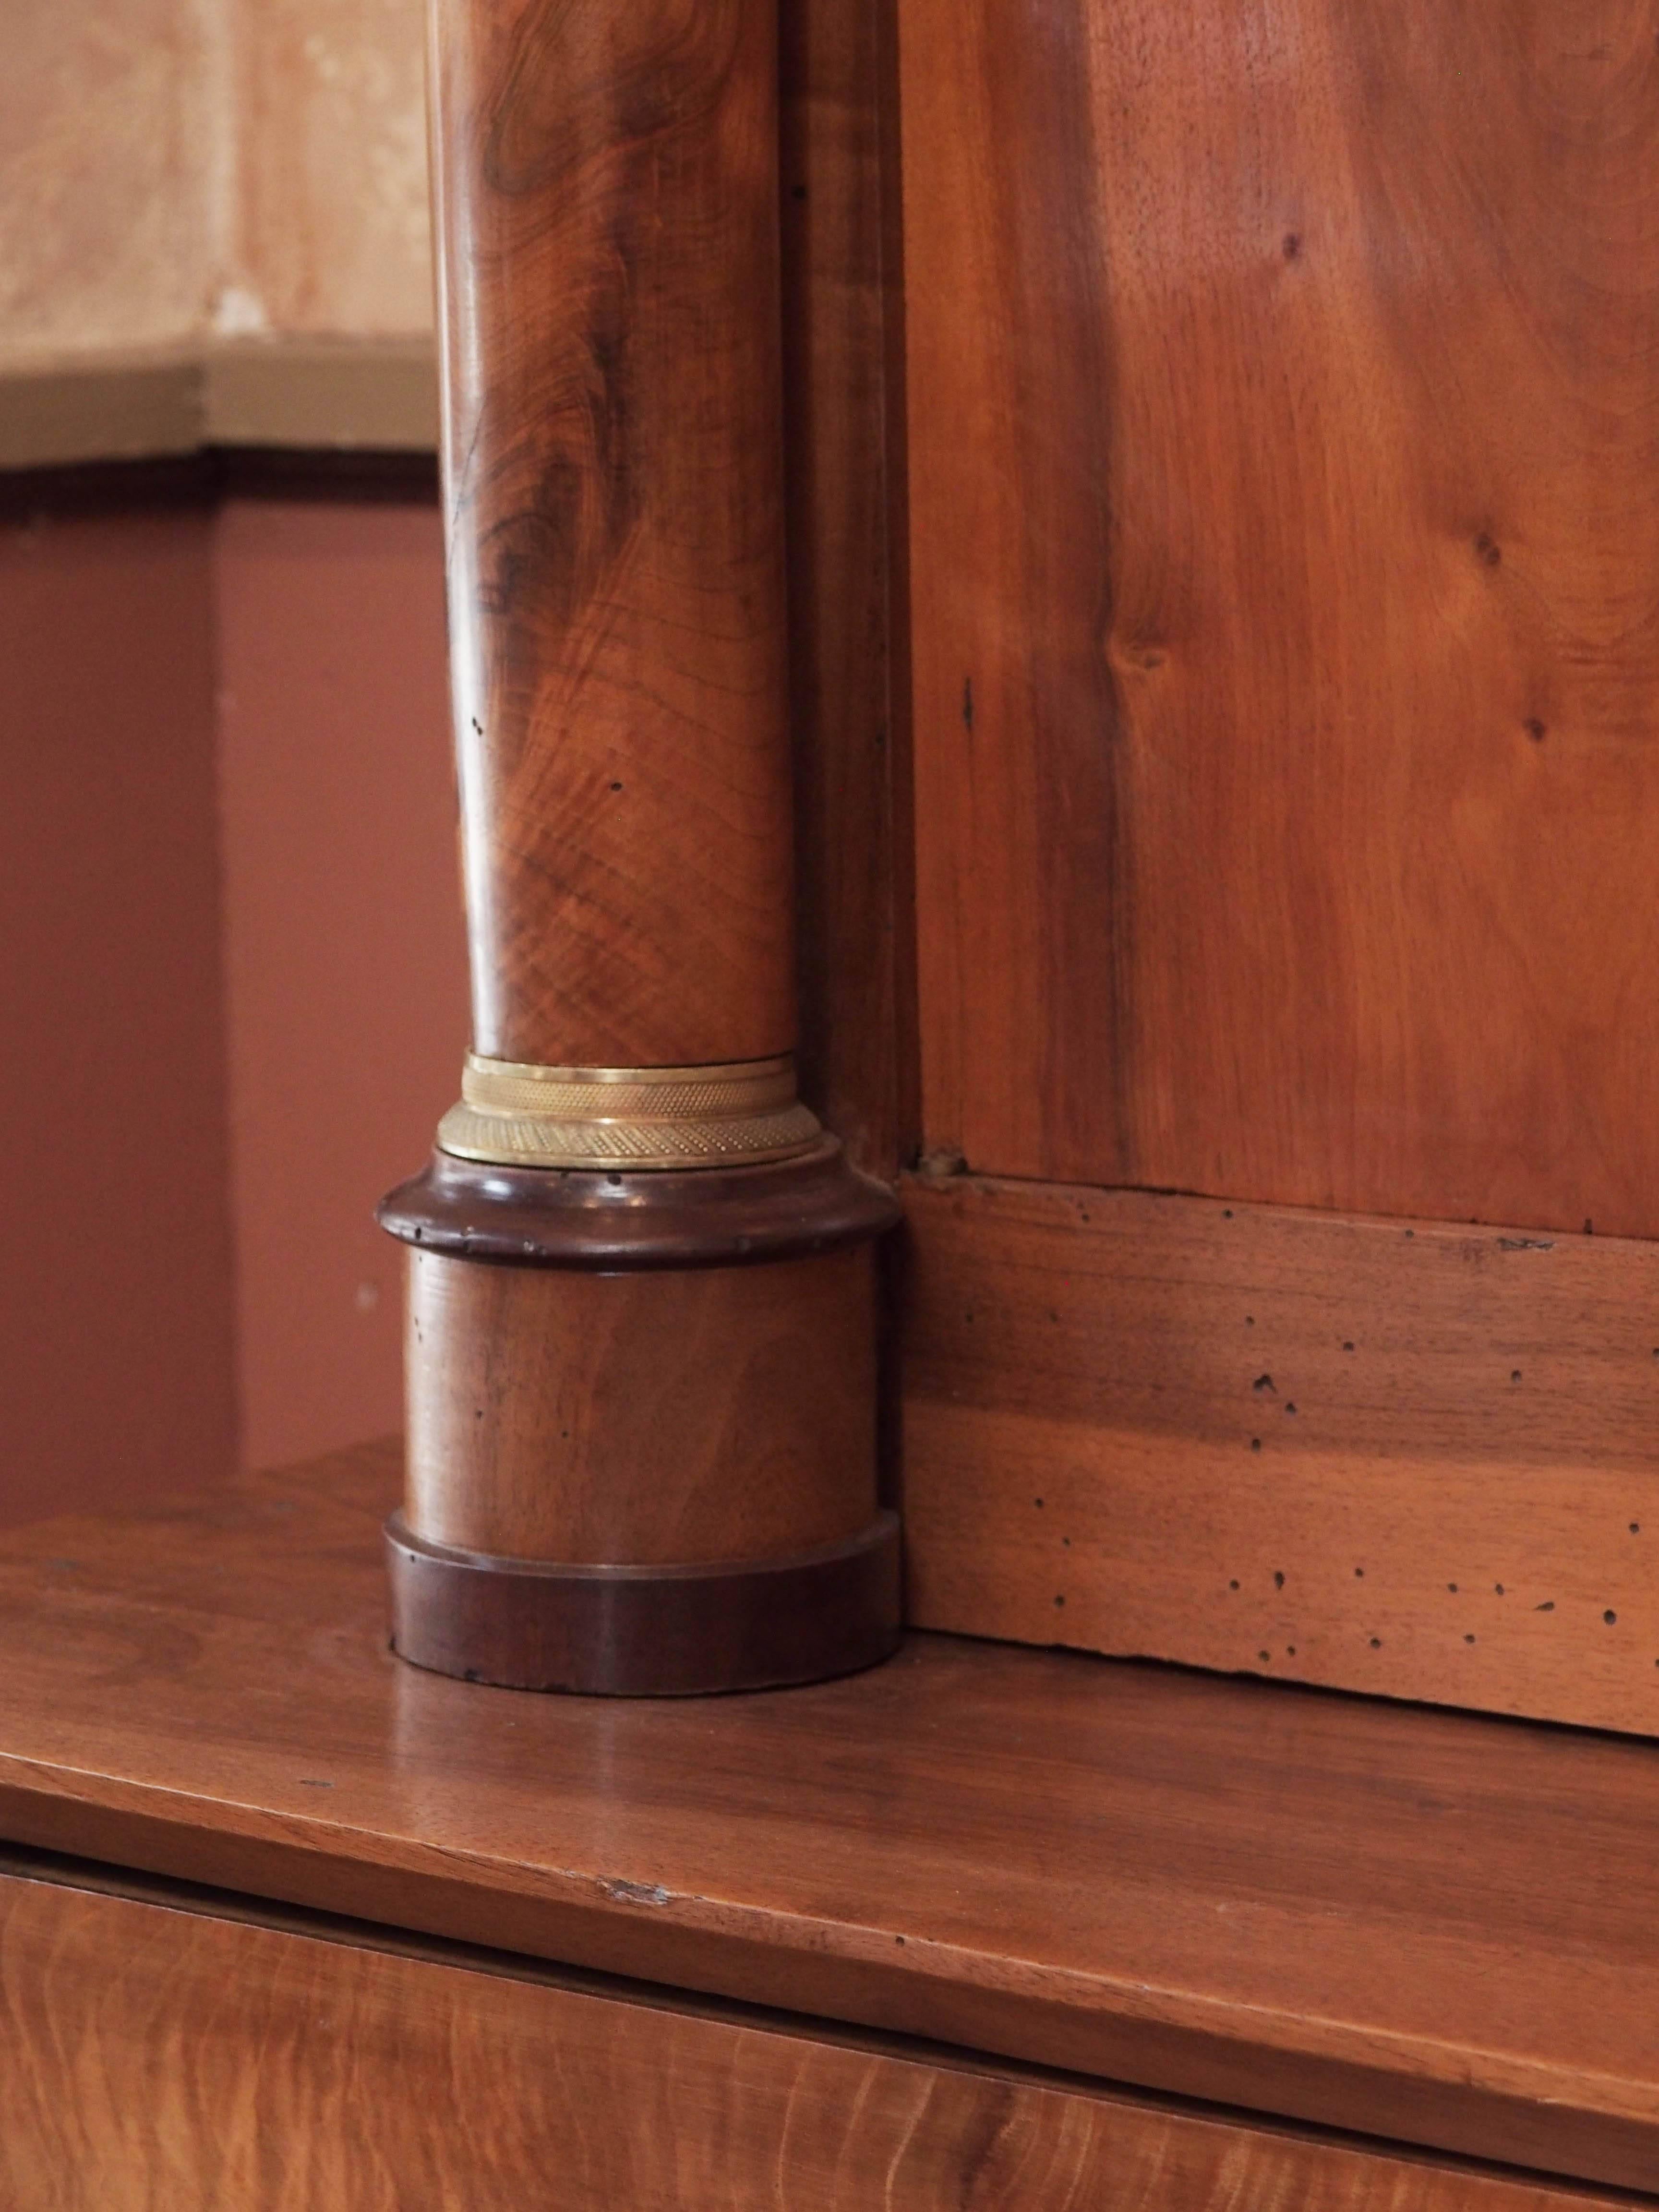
[642,1442]
[655,1632]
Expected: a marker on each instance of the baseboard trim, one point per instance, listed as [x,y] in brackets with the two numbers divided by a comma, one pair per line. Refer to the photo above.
[379,394]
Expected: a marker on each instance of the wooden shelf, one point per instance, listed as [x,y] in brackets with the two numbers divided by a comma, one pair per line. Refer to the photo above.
[1423,1925]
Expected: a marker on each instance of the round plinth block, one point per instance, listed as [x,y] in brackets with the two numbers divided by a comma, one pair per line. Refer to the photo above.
[642,1449]
[646,1631]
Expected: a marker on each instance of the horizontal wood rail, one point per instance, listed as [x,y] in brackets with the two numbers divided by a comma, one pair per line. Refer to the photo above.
[1410,1458]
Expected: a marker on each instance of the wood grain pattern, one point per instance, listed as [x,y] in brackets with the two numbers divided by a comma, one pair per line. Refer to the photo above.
[1415,1459]
[666,1417]
[1284,449]
[1433,1927]
[843,461]
[606,182]
[155,2060]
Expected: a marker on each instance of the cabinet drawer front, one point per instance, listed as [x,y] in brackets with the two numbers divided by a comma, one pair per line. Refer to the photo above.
[162,2059]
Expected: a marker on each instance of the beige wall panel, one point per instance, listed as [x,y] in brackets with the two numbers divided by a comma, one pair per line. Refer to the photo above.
[107,174]
[330,233]
[177,174]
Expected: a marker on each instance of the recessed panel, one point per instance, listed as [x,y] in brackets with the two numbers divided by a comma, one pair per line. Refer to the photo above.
[1284,452]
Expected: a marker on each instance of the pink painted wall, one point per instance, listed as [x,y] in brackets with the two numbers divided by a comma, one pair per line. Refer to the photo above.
[116,1372]
[344,950]
[232,988]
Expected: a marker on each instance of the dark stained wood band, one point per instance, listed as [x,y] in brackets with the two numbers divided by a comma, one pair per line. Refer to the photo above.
[657,1632]
[703,1217]
[348,476]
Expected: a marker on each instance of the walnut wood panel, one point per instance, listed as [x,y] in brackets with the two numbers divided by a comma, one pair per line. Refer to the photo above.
[157,2060]
[1284,472]
[851,757]
[1416,1460]
[1433,1927]
[678,1415]
[605,180]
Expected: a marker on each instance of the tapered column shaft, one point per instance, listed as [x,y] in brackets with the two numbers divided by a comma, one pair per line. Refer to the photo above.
[607,196]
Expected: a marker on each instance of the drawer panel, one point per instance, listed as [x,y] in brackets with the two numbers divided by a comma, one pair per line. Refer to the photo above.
[158,2059]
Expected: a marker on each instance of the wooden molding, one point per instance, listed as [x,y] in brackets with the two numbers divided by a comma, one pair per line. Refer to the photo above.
[301,393]
[1414,1459]
[621,1221]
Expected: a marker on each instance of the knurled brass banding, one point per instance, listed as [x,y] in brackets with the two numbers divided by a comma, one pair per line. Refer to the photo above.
[640,1117]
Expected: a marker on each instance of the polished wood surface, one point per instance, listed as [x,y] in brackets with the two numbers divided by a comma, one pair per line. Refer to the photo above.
[1284,461]
[155,2059]
[1407,1458]
[606,182]
[843,475]
[1427,1926]
[677,1416]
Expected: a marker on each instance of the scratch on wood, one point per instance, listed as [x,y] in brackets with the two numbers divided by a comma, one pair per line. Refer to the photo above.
[633,1893]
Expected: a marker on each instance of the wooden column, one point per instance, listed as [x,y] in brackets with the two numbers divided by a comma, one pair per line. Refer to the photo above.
[641,1331]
